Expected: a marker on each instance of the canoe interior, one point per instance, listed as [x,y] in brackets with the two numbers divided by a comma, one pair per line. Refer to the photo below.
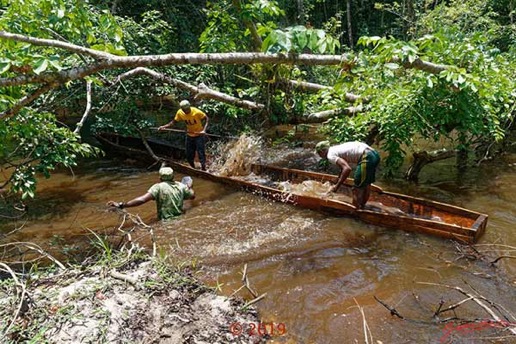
[403,211]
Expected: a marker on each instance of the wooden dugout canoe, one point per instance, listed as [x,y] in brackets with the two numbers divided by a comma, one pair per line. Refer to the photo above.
[385,209]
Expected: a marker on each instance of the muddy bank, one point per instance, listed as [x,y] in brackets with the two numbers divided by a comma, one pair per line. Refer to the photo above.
[139,301]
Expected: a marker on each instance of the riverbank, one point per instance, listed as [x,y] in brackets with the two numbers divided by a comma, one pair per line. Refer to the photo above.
[120,300]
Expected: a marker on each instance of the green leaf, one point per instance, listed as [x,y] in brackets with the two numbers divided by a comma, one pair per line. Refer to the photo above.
[40,66]
[392,66]
[55,63]
[4,67]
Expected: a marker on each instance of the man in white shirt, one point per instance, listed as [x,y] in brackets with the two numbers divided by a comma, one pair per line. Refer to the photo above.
[348,155]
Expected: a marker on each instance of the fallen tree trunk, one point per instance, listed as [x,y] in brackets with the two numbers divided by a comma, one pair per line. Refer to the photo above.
[319,117]
[200,92]
[421,159]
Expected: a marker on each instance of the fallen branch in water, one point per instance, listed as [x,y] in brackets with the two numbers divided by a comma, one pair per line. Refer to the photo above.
[368,336]
[478,300]
[245,284]
[502,257]
[253,301]
[127,233]
[391,309]
[450,308]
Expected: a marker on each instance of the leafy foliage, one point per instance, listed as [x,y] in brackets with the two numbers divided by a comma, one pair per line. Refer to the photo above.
[300,39]
[126,120]
[470,102]
[33,144]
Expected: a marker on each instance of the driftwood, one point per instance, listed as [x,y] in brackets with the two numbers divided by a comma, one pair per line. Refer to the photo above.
[123,277]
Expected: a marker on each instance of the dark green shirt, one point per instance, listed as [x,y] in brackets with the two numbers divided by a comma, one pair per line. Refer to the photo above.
[169,197]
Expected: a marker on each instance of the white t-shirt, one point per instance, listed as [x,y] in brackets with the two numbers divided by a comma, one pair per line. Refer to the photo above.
[349,151]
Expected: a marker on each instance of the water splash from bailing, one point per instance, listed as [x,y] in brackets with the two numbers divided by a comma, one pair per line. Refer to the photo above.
[235,158]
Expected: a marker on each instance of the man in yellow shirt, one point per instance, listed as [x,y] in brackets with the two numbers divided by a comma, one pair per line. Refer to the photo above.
[195,131]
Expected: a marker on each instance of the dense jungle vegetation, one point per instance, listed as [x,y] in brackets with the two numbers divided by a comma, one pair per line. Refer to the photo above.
[388,72]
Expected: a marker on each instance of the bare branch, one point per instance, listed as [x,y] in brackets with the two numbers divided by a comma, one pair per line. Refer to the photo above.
[512,329]
[20,286]
[200,92]
[172,59]
[37,248]
[312,87]
[318,117]
[25,101]
[56,44]
[391,309]
[87,110]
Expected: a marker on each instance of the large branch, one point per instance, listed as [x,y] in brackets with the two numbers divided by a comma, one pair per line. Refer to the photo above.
[257,40]
[319,117]
[110,61]
[424,66]
[423,158]
[26,101]
[56,44]
[106,61]
[200,92]
[171,59]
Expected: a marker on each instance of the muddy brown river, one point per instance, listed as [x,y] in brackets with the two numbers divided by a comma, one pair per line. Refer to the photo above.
[320,273]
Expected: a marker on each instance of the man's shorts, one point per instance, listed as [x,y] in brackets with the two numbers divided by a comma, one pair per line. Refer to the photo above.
[365,173]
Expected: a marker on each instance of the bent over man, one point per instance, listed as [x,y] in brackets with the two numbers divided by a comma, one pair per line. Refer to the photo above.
[349,154]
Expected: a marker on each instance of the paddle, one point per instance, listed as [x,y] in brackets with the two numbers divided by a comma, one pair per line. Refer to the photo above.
[210,135]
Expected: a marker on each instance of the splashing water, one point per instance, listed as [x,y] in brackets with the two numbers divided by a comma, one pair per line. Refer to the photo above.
[308,188]
[236,157]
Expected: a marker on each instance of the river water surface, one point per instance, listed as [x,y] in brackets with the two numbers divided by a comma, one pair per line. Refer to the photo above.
[321,273]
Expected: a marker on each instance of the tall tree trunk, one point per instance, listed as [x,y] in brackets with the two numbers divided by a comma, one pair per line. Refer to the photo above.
[301,11]
[350,26]
[410,15]
[256,39]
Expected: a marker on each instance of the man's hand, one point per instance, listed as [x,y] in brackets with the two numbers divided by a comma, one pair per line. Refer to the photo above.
[119,205]
[334,188]
[161,128]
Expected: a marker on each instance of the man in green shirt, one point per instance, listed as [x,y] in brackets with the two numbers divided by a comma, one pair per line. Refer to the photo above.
[168,194]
